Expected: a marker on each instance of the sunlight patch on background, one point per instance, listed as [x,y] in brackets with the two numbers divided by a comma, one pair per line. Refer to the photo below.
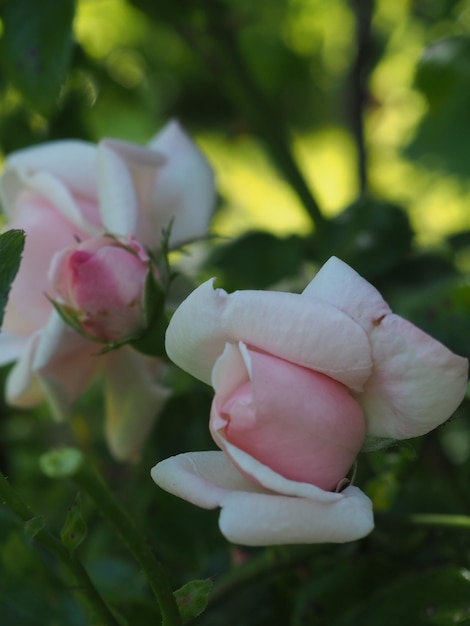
[256,195]
[104,25]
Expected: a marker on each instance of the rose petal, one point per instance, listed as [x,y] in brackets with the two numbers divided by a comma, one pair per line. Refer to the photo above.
[134,399]
[417,382]
[12,347]
[301,424]
[202,478]
[267,520]
[71,162]
[251,515]
[306,331]
[64,363]
[184,188]
[126,174]
[47,231]
[340,285]
[271,480]
[22,388]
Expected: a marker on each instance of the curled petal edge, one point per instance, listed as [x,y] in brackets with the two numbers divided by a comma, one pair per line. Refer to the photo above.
[306,331]
[252,515]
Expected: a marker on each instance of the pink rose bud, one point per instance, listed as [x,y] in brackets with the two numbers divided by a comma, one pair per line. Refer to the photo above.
[300,423]
[101,282]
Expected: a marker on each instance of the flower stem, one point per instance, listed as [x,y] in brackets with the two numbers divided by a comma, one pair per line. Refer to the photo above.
[44,538]
[88,479]
[437,520]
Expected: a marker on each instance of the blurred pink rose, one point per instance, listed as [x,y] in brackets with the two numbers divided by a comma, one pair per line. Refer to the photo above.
[101,282]
[65,191]
[302,382]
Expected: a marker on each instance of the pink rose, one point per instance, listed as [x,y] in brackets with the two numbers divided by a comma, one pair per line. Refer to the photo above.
[302,383]
[101,283]
[66,191]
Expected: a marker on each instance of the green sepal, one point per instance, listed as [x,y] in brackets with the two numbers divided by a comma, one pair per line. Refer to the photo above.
[152,341]
[74,529]
[192,598]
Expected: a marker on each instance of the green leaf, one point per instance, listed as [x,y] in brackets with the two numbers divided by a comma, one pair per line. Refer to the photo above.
[438,597]
[74,530]
[36,46]
[192,598]
[11,248]
[61,463]
[34,525]
[443,76]
[257,260]
[370,235]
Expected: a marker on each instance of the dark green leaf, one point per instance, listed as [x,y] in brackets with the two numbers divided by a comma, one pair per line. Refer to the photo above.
[438,597]
[192,598]
[35,47]
[442,137]
[34,525]
[370,235]
[257,260]
[74,529]
[11,248]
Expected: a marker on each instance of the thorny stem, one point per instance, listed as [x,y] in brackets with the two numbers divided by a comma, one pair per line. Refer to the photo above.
[44,538]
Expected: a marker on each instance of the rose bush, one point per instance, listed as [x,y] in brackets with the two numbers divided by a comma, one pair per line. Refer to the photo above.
[68,191]
[302,383]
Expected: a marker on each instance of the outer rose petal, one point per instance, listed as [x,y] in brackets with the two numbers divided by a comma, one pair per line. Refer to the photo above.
[71,162]
[12,347]
[417,382]
[47,231]
[134,400]
[22,388]
[340,285]
[184,188]
[306,331]
[253,516]
[126,175]
[64,363]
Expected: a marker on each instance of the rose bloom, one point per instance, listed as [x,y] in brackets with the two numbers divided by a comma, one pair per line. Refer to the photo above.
[302,383]
[101,284]
[66,192]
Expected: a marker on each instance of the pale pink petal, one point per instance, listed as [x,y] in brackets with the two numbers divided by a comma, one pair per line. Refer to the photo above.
[64,363]
[271,480]
[340,285]
[46,231]
[12,347]
[253,516]
[134,399]
[303,330]
[22,388]
[267,520]
[417,382]
[71,162]
[202,478]
[299,423]
[126,174]
[184,188]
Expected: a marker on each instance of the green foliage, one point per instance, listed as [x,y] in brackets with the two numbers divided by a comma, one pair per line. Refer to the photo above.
[74,529]
[192,598]
[35,48]
[11,249]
